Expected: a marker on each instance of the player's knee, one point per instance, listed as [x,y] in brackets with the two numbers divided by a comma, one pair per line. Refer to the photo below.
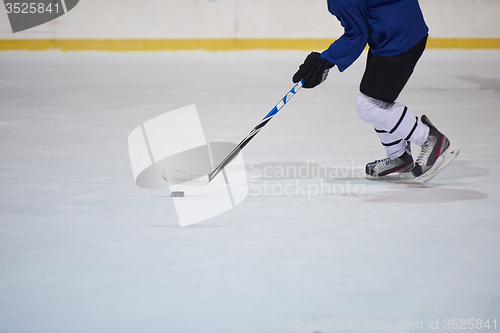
[364,107]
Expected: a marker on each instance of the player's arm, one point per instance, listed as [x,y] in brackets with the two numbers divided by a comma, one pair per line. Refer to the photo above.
[343,52]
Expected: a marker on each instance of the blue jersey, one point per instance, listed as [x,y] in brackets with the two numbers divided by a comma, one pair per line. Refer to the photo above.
[390,27]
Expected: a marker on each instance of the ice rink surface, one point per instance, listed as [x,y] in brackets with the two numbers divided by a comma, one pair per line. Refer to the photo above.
[83,249]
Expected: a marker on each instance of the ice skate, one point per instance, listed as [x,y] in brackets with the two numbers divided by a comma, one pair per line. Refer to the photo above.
[436,153]
[381,168]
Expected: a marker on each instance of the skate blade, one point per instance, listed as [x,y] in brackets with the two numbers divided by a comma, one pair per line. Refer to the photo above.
[393,177]
[446,158]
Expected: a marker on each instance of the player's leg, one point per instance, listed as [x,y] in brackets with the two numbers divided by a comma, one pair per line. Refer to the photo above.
[395,124]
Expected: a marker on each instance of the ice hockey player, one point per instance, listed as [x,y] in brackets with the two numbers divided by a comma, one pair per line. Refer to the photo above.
[396,34]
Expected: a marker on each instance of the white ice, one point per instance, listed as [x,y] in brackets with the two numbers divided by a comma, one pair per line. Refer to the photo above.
[83,249]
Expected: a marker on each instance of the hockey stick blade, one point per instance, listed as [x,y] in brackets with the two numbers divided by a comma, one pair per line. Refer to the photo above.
[179,177]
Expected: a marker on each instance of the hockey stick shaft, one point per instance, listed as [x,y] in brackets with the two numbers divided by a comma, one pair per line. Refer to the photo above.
[256,130]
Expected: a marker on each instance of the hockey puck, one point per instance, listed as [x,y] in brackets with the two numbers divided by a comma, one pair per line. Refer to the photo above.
[177,194]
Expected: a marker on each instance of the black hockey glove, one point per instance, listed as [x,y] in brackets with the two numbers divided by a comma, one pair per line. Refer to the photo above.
[314,70]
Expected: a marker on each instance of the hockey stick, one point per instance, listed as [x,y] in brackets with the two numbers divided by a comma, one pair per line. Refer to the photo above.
[179,177]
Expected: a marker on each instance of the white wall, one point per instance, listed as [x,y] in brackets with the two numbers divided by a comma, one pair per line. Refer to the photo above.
[462,18]
[165,19]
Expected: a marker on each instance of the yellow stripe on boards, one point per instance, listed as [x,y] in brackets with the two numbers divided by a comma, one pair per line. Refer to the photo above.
[123,45]
[141,45]
[463,43]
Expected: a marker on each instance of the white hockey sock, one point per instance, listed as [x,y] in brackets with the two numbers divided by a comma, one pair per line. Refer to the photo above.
[394,124]
[394,146]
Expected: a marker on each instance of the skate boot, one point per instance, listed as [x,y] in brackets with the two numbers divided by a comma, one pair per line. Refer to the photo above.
[380,168]
[433,147]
